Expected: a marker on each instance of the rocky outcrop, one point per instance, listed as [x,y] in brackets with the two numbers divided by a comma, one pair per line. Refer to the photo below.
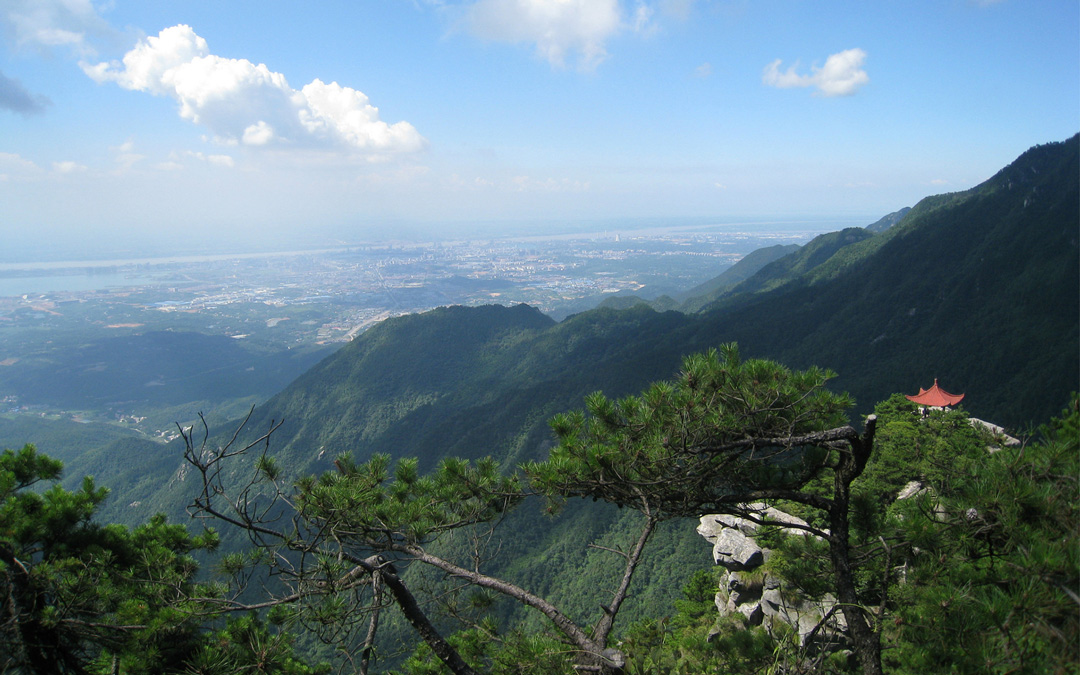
[764,598]
[1001,439]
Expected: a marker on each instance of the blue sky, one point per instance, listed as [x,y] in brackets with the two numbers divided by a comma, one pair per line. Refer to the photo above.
[166,117]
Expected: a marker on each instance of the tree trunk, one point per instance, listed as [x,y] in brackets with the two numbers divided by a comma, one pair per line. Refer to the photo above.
[603,627]
[407,602]
[373,623]
[864,637]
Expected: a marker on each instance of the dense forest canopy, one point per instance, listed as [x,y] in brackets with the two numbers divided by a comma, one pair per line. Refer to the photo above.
[975,571]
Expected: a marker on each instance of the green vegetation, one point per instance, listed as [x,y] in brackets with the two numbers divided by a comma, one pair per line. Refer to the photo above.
[974,572]
[990,554]
[978,288]
[793,269]
[701,295]
[973,569]
[725,432]
[82,597]
[974,288]
[889,220]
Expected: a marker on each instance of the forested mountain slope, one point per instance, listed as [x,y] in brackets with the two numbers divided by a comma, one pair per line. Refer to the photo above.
[980,289]
[888,221]
[791,268]
[157,367]
[701,295]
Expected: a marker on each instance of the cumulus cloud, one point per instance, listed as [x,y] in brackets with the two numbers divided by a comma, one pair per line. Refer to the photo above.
[703,71]
[240,102]
[344,113]
[842,74]
[14,97]
[558,28]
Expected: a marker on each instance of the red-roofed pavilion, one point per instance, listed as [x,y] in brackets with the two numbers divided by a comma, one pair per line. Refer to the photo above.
[935,397]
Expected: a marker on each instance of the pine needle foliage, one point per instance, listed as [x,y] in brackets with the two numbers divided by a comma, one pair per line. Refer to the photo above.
[376,503]
[82,597]
[992,568]
[724,426]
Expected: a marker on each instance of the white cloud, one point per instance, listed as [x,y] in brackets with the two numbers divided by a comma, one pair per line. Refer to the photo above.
[12,166]
[558,28]
[241,102]
[45,24]
[259,133]
[643,19]
[842,74]
[125,156]
[217,160]
[703,71]
[345,114]
[68,167]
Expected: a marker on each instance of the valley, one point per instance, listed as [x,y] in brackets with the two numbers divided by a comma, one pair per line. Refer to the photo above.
[65,322]
[433,422]
[539,337]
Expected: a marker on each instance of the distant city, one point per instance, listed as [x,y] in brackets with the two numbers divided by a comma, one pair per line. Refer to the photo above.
[77,338]
[333,294]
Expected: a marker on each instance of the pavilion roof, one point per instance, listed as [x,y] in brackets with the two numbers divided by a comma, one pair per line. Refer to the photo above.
[935,396]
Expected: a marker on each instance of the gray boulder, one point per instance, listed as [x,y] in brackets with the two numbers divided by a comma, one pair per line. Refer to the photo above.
[736,551]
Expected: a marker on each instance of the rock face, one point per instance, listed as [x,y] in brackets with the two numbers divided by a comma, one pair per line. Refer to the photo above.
[1001,439]
[748,589]
[736,551]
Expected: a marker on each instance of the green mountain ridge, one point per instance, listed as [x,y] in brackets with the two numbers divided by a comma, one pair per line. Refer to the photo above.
[888,313]
[155,367]
[889,220]
[980,289]
[701,295]
[794,268]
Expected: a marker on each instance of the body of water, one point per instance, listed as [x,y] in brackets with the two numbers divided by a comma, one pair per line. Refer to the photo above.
[15,286]
[17,279]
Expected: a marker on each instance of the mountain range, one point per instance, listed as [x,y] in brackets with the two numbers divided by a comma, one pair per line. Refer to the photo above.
[978,289]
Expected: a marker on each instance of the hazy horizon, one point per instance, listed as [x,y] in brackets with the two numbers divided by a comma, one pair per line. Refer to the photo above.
[147,122]
[23,249]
